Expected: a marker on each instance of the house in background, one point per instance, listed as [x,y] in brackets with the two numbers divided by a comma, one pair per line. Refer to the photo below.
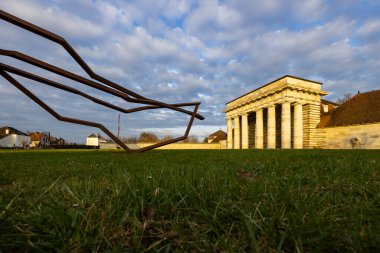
[56,141]
[217,137]
[13,138]
[39,139]
[95,140]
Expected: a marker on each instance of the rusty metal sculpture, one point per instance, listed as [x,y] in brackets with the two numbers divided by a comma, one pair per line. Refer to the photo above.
[102,84]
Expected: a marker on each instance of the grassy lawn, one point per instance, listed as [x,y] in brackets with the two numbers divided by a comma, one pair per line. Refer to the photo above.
[199,201]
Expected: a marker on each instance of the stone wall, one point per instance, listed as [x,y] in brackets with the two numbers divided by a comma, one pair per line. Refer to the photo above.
[340,137]
[186,145]
[114,145]
[311,118]
[221,145]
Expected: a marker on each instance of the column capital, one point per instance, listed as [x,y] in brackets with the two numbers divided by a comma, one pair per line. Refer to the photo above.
[279,102]
[299,101]
[271,105]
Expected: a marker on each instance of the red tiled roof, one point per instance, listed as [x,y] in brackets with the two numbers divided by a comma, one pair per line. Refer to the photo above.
[218,136]
[36,136]
[363,108]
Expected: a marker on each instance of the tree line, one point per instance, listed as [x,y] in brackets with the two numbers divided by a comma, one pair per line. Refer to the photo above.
[152,137]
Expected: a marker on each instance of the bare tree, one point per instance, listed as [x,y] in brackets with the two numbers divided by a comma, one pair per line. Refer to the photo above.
[191,139]
[129,139]
[167,137]
[148,137]
[347,96]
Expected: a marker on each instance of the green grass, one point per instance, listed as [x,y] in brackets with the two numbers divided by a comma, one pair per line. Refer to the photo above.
[198,201]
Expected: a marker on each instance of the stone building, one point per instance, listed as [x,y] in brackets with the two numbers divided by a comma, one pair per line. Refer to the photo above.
[95,140]
[290,113]
[217,137]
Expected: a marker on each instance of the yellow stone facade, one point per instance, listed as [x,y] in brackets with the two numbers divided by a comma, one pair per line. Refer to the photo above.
[281,114]
[368,136]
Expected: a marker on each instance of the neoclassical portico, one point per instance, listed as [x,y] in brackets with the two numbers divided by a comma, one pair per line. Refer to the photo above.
[281,114]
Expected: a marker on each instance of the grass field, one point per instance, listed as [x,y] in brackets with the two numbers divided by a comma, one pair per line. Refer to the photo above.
[198,201]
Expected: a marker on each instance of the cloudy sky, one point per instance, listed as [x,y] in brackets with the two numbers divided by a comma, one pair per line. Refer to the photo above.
[182,51]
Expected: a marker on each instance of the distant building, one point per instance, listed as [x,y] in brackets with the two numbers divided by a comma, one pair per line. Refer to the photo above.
[95,140]
[13,138]
[56,141]
[39,139]
[289,113]
[217,137]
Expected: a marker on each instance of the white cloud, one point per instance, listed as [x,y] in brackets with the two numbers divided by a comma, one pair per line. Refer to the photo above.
[370,31]
[309,10]
[53,18]
[210,18]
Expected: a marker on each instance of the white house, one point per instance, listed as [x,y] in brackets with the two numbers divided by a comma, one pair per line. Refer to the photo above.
[13,138]
[95,140]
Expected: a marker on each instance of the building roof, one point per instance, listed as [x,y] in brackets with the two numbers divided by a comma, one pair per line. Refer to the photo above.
[363,108]
[101,138]
[329,102]
[37,136]
[11,131]
[218,136]
[299,78]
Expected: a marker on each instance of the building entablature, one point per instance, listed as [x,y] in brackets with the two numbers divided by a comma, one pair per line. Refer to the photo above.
[271,101]
[289,91]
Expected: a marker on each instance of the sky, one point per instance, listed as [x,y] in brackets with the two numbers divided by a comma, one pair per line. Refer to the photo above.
[184,51]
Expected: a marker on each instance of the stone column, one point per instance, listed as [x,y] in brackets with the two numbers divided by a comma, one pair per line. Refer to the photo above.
[285,126]
[229,134]
[244,131]
[259,137]
[271,127]
[237,133]
[298,126]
